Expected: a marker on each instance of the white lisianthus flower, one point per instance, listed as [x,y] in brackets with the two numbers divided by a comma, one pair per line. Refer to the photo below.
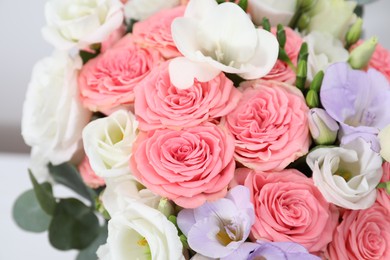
[324,50]
[123,190]
[53,116]
[108,142]
[384,140]
[141,9]
[347,176]
[141,232]
[80,23]
[332,16]
[215,38]
[277,11]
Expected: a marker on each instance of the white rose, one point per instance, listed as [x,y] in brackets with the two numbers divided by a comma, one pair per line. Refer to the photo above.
[277,11]
[332,16]
[123,190]
[324,50]
[53,117]
[347,176]
[384,140]
[80,23]
[141,9]
[141,232]
[108,142]
[215,38]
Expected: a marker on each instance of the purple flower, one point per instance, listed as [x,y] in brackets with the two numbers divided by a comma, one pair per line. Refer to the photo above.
[216,229]
[271,250]
[358,100]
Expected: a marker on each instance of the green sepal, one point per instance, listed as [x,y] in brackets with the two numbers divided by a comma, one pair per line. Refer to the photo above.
[281,36]
[89,253]
[312,99]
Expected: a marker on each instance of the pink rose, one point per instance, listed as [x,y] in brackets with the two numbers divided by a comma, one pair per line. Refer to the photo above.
[113,38]
[380,60]
[383,197]
[362,234]
[270,125]
[158,104]
[88,175]
[281,71]
[155,32]
[289,207]
[107,82]
[190,166]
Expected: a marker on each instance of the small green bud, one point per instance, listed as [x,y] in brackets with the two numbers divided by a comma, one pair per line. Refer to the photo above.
[301,75]
[303,22]
[281,36]
[322,127]
[354,33]
[312,99]
[317,81]
[165,207]
[303,52]
[306,5]
[266,24]
[361,55]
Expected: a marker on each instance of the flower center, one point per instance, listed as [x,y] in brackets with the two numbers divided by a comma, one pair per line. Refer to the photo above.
[347,175]
[229,233]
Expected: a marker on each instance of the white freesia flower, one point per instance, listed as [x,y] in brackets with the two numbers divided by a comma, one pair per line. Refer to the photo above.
[384,140]
[123,190]
[277,11]
[108,143]
[347,176]
[332,16]
[324,50]
[80,23]
[141,9]
[53,117]
[141,232]
[215,38]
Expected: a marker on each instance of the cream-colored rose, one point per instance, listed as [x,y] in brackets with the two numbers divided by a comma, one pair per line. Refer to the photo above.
[384,139]
[53,117]
[80,23]
[332,16]
[141,9]
[108,143]
[324,50]
[277,11]
[347,176]
[141,232]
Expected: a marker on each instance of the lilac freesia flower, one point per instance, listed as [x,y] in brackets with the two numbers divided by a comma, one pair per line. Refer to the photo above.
[358,100]
[216,229]
[271,250]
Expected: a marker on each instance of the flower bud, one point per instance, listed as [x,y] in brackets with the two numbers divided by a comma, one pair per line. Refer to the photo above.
[361,55]
[312,99]
[306,5]
[322,127]
[317,81]
[301,75]
[354,33]
[303,22]
[165,207]
[384,140]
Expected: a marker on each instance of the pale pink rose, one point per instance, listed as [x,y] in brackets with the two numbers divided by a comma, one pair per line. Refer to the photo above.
[190,166]
[289,207]
[107,82]
[383,197]
[159,104]
[155,32]
[113,38]
[88,175]
[270,125]
[380,60]
[281,71]
[362,235]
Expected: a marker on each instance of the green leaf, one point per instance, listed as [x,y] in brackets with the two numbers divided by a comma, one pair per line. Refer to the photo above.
[28,214]
[44,195]
[68,175]
[74,225]
[89,253]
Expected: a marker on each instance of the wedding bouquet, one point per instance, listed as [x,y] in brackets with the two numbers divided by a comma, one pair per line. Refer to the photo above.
[205,129]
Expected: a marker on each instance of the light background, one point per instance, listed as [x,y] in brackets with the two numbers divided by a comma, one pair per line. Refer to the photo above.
[21,45]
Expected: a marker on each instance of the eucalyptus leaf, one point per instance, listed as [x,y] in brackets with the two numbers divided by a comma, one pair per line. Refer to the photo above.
[28,214]
[44,195]
[68,175]
[89,253]
[74,225]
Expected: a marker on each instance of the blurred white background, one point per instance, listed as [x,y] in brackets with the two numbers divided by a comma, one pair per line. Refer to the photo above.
[21,45]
